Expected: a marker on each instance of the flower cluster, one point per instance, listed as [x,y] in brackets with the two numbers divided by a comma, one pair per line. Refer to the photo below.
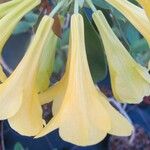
[81,112]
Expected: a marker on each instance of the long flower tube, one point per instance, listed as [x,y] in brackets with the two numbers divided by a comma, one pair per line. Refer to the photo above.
[19,101]
[135,15]
[129,80]
[82,113]
[8,6]
[146,5]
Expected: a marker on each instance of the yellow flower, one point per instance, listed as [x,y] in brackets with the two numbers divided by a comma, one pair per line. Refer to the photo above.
[19,101]
[8,6]
[82,113]
[130,81]
[146,6]
[135,15]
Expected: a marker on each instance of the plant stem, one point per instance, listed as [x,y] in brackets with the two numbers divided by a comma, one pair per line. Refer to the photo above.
[91,5]
[76,6]
[56,9]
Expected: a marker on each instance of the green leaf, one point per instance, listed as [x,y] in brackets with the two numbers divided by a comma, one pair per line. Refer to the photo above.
[47,63]
[62,47]
[26,23]
[59,64]
[101,4]
[31,17]
[119,16]
[22,27]
[131,33]
[18,146]
[6,7]
[141,52]
[95,51]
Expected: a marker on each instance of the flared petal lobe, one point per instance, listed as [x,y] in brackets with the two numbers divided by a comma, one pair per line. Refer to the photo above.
[130,82]
[135,15]
[19,102]
[81,113]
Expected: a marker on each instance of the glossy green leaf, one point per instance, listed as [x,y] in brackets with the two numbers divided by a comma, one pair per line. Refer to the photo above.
[131,33]
[95,51]
[22,27]
[141,52]
[46,63]
[101,4]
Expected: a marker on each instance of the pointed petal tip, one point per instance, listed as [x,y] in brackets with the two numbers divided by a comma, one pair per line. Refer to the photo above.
[42,133]
[37,136]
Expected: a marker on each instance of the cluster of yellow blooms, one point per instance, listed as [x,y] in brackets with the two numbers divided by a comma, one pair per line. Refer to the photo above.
[81,112]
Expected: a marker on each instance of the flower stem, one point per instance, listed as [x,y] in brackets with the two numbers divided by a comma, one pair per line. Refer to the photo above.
[56,9]
[91,5]
[76,6]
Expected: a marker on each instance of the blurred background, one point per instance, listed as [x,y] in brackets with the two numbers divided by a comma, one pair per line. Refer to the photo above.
[132,40]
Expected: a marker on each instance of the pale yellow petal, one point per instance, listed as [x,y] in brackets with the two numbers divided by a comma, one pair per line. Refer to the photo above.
[55,94]
[28,120]
[3,76]
[8,6]
[10,99]
[120,126]
[84,121]
[58,99]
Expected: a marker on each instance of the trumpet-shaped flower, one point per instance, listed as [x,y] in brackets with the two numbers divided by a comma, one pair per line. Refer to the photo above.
[146,5]
[82,113]
[130,81]
[19,101]
[135,15]
[8,6]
